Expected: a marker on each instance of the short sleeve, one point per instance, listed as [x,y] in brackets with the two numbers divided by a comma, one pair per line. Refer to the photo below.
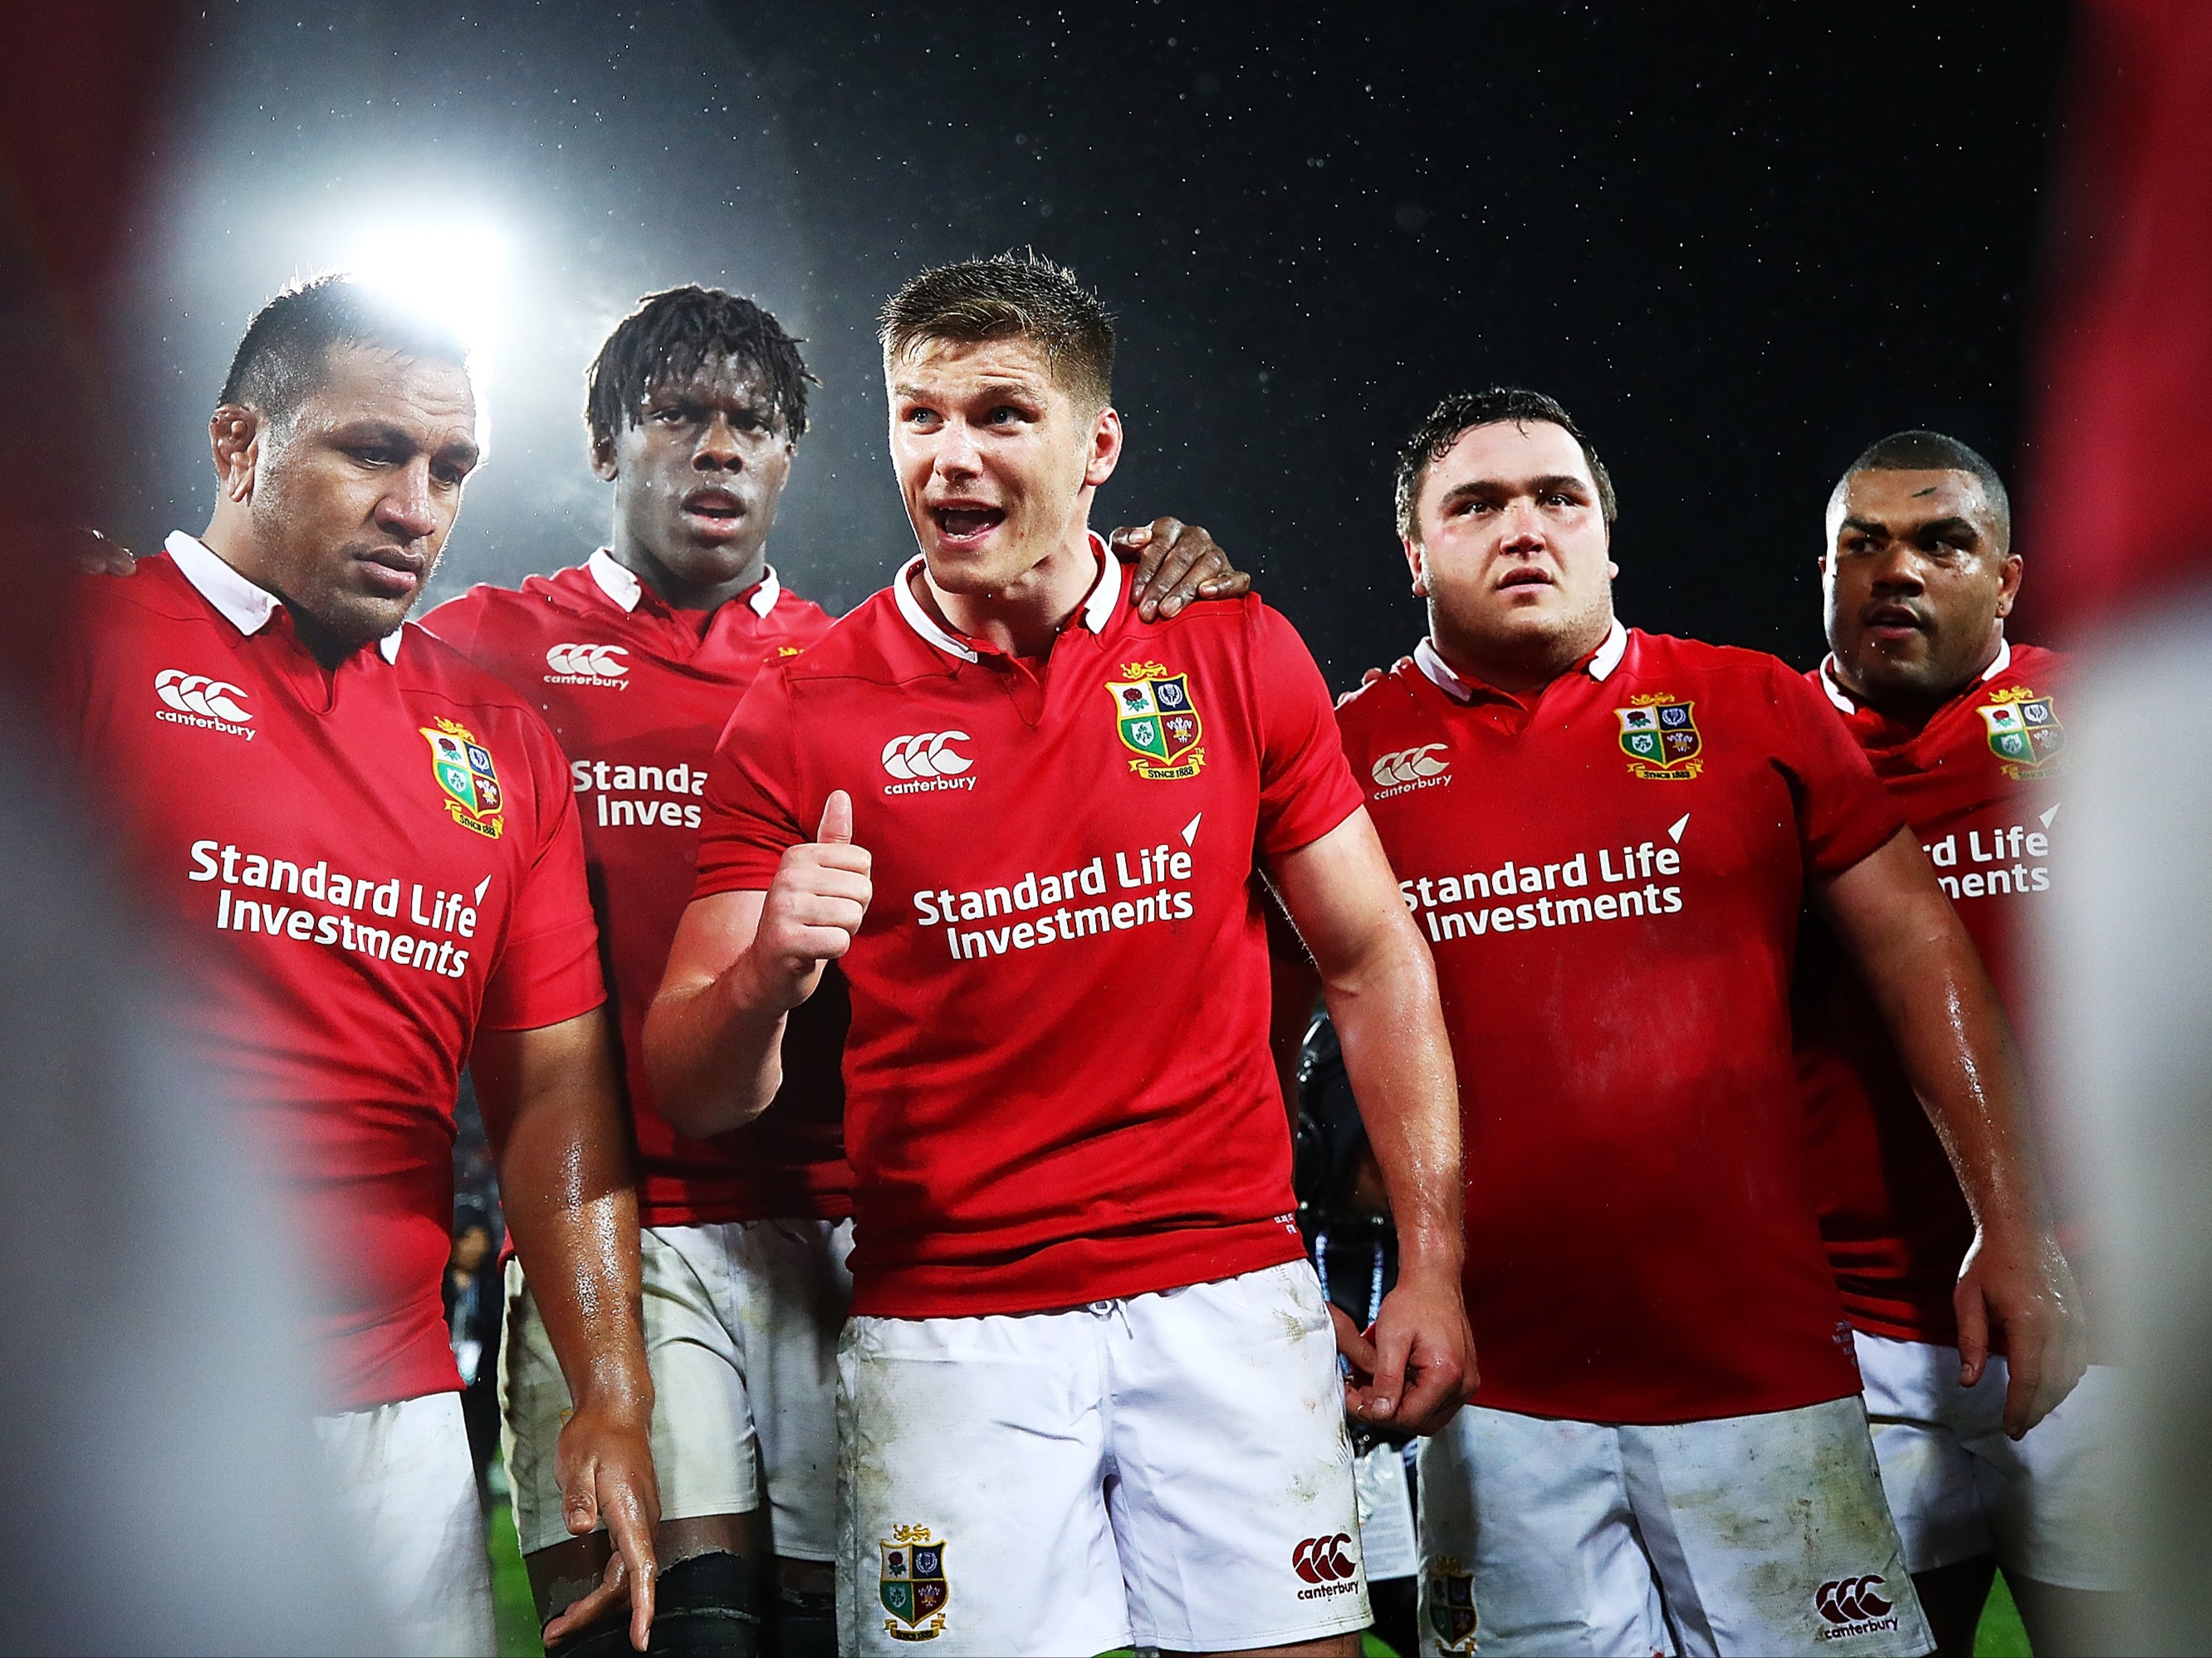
[751,818]
[549,963]
[1306,789]
[1843,812]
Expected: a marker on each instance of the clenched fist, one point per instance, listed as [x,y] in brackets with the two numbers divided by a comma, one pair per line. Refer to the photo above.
[813,907]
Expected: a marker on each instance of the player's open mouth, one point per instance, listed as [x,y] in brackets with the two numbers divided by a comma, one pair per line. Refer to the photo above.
[713,509]
[1894,623]
[1526,578]
[966,524]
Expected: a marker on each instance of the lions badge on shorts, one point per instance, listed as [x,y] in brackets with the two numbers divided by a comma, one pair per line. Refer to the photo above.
[1660,736]
[467,778]
[1155,716]
[1450,1595]
[2024,732]
[913,1588]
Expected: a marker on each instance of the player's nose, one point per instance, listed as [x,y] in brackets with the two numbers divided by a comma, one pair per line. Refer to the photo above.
[957,454]
[408,507]
[718,446]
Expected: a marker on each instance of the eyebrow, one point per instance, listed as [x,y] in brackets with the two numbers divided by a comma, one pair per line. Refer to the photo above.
[995,387]
[398,437]
[1941,525]
[1555,484]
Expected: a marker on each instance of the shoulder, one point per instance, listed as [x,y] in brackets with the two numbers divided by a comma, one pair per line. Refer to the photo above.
[496,611]
[2034,662]
[155,593]
[1380,702]
[871,641]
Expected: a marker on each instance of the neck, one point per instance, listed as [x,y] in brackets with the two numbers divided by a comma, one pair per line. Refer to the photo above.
[232,542]
[673,590]
[1024,617]
[1515,666]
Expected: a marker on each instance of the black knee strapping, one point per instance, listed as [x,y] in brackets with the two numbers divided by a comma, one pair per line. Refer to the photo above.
[703,1608]
[802,1625]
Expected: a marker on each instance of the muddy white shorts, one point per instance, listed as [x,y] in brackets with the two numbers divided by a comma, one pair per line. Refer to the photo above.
[402,1475]
[1170,1470]
[1747,1534]
[741,1324]
[2047,1507]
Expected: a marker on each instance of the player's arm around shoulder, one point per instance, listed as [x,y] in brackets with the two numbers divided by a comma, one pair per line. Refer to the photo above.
[1381,986]
[740,962]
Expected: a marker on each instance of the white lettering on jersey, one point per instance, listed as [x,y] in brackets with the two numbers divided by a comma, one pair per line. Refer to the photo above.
[588,665]
[198,699]
[927,762]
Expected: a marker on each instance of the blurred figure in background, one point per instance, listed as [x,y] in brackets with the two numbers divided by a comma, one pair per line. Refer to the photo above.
[472,1324]
[2122,517]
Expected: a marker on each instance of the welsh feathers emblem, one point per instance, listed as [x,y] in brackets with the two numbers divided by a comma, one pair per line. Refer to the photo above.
[467,778]
[2024,732]
[1154,713]
[913,1588]
[1450,1597]
[1659,735]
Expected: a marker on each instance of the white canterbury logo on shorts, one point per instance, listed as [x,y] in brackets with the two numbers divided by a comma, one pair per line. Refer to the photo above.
[1410,768]
[198,699]
[586,664]
[927,763]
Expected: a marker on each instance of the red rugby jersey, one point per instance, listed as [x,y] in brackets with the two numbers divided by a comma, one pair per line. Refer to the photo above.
[1057,1083]
[638,691]
[1975,782]
[367,867]
[1609,871]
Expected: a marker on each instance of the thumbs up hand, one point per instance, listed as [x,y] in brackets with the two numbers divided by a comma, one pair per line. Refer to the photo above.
[813,907]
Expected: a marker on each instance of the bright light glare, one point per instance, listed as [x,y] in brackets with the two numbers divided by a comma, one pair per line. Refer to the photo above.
[453,272]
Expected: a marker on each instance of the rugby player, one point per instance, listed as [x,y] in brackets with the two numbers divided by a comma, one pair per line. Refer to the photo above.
[695,406]
[1089,1394]
[1606,836]
[371,847]
[1963,727]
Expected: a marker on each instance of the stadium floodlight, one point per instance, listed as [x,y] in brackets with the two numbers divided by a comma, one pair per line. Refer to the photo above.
[451,270]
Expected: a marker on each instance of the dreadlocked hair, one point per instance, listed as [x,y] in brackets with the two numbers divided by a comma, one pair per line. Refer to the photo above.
[670,335]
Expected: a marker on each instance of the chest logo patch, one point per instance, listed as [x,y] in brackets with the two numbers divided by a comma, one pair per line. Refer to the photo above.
[588,665]
[1660,736]
[2024,732]
[467,779]
[1156,717]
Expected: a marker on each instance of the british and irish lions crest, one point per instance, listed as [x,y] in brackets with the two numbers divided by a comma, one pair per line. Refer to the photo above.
[1156,718]
[2024,732]
[1449,1595]
[466,778]
[913,1588]
[1660,736]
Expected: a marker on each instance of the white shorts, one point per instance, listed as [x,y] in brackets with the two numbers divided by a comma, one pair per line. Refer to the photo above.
[1747,1534]
[402,1475]
[1171,1470]
[741,1323]
[2048,1507]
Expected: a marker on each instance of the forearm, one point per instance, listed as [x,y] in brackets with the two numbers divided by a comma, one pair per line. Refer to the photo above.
[1383,1004]
[714,1049]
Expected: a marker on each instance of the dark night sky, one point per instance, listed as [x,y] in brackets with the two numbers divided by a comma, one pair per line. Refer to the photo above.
[1739,246]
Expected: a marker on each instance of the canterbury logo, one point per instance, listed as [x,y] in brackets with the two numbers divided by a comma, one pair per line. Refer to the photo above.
[1851,1599]
[196,693]
[588,661]
[927,755]
[1410,765]
[1323,1559]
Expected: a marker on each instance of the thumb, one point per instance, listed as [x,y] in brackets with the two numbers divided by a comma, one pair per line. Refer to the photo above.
[837,819]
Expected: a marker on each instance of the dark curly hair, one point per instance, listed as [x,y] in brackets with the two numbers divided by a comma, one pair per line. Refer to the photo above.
[669,335]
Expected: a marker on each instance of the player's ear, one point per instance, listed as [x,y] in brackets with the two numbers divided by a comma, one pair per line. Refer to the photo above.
[1105,446]
[234,433]
[1417,562]
[2009,571]
[602,460]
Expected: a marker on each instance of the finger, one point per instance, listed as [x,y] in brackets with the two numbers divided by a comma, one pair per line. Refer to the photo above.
[1147,587]
[582,1509]
[1371,676]
[634,1539]
[1182,571]
[586,1610]
[1392,1346]
[1432,1388]
[1357,1349]
[837,819]
[2025,1404]
[1973,1331]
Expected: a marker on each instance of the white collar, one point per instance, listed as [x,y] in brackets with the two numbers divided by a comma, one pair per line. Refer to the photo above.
[246,605]
[1844,700]
[1599,667]
[620,583]
[1098,610]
